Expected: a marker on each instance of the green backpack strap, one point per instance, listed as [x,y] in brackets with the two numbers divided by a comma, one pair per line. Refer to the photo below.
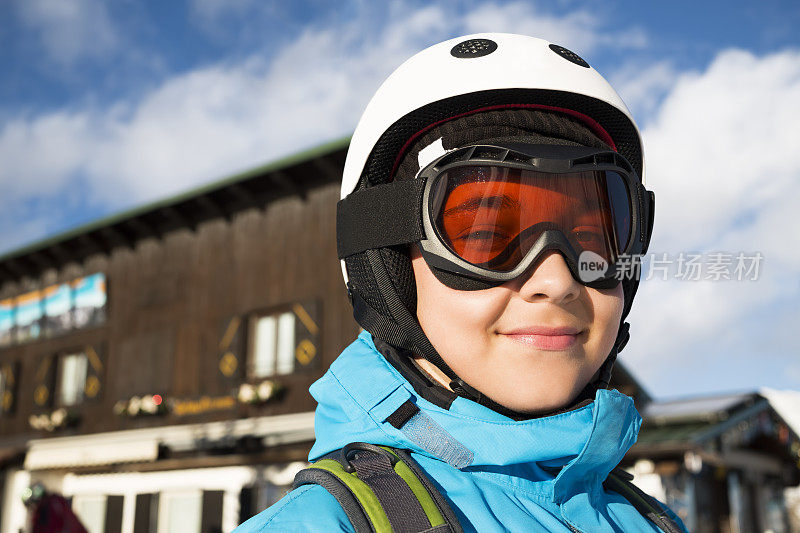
[619,481]
[382,490]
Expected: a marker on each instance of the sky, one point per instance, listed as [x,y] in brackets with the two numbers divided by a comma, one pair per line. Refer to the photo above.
[108,105]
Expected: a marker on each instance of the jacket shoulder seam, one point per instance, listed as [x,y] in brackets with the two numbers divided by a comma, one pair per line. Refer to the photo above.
[293,495]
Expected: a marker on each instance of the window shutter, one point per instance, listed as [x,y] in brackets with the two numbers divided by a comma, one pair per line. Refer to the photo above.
[146,515]
[44,382]
[247,503]
[211,521]
[10,388]
[93,386]
[229,350]
[308,335]
[114,514]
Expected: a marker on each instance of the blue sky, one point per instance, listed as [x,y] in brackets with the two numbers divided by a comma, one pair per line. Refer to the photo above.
[107,105]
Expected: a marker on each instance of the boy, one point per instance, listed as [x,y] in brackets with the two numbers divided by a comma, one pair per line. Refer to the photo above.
[492,192]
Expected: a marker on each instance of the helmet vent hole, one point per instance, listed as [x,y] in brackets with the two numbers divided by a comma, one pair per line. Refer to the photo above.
[473,48]
[569,55]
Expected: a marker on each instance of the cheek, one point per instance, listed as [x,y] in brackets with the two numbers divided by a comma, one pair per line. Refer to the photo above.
[454,320]
[607,305]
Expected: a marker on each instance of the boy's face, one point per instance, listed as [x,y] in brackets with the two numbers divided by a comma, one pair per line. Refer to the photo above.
[502,340]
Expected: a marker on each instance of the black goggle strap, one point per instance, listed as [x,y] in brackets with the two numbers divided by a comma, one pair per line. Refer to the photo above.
[390,214]
[377,217]
[380,216]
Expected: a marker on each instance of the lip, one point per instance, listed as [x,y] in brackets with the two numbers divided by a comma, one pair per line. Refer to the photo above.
[545,337]
[543,330]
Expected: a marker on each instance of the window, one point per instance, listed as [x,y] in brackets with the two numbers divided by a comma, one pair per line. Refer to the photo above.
[273,344]
[92,512]
[71,378]
[53,310]
[179,512]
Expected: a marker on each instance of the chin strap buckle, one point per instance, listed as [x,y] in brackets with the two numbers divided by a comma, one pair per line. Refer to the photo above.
[465,391]
[604,379]
[623,336]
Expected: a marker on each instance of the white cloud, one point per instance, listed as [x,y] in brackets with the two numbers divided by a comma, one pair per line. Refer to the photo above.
[229,20]
[722,159]
[642,87]
[211,10]
[227,117]
[581,30]
[70,30]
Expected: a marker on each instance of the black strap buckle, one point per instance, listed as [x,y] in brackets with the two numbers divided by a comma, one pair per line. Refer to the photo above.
[351,452]
[623,336]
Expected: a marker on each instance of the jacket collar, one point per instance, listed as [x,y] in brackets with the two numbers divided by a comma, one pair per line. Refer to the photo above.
[361,389]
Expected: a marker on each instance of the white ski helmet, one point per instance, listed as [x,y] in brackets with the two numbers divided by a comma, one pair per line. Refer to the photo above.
[452,79]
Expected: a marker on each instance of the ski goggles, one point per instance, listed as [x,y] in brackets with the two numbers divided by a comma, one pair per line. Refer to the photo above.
[487,213]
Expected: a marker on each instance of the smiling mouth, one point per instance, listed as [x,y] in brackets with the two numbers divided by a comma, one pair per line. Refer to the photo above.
[544,338]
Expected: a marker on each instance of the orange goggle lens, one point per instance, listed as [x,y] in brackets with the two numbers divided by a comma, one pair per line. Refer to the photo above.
[491,216]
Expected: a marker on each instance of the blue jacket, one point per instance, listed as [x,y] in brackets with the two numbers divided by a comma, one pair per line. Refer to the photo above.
[491,469]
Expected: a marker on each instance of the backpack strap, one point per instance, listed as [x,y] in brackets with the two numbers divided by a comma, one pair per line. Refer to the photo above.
[619,481]
[381,490]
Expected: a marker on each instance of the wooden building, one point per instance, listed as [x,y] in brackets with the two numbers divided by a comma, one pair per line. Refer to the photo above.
[155,365]
[722,462]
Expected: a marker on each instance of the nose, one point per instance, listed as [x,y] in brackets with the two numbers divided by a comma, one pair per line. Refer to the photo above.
[550,280]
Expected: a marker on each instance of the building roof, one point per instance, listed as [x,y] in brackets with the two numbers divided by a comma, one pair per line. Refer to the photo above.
[291,175]
[694,422]
[786,403]
[705,408]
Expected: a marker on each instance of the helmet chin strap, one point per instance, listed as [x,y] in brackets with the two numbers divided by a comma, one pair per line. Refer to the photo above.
[404,331]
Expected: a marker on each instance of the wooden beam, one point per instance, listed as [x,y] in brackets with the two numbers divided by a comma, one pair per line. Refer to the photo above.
[286,183]
[7,273]
[181,218]
[329,170]
[213,207]
[16,268]
[41,260]
[143,228]
[242,195]
[116,234]
[95,245]
[58,252]
[750,460]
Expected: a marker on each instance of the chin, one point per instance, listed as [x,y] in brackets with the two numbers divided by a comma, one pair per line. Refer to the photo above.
[533,405]
[538,400]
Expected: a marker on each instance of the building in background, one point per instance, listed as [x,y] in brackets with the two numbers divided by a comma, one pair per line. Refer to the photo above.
[155,365]
[722,462]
